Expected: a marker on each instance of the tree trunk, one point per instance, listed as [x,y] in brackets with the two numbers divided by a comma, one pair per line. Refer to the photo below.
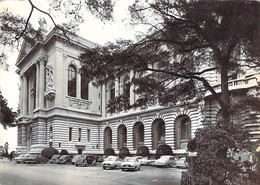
[225,94]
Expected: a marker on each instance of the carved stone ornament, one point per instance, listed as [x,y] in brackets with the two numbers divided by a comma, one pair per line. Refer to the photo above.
[50,89]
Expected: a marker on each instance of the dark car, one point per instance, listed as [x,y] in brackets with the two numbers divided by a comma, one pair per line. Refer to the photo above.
[65,159]
[85,160]
[55,159]
[40,159]
[30,158]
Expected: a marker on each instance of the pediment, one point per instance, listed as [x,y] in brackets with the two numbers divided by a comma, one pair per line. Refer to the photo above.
[25,48]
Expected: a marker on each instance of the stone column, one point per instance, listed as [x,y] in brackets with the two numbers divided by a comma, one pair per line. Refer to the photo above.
[25,95]
[24,135]
[21,95]
[42,82]
[103,100]
[78,85]
[37,84]
[132,94]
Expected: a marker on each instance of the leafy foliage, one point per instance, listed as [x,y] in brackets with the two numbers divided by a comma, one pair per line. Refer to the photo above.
[123,152]
[7,117]
[49,152]
[142,151]
[109,151]
[219,146]
[64,152]
[163,150]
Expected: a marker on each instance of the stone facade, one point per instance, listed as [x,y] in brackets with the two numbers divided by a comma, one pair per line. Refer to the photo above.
[52,114]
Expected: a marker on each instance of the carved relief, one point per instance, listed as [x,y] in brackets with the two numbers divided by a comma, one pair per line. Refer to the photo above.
[78,103]
[50,89]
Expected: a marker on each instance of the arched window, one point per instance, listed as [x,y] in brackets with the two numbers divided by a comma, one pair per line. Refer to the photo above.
[158,133]
[138,131]
[126,87]
[112,91]
[121,136]
[72,81]
[107,138]
[84,88]
[183,132]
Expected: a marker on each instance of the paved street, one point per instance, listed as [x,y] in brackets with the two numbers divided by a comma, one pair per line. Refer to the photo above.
[30,174]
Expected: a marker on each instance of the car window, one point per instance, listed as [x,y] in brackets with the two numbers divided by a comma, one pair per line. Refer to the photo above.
[130,159]
[111,159]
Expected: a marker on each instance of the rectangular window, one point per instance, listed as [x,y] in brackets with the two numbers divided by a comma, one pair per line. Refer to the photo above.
[84,88]
[88,134]
[70,134]
[79,134]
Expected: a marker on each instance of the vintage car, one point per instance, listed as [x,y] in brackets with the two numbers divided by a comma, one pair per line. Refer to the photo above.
[181,163]
[85,160]
[165,161]
[54,159]
[30,158]
[65,159]
[75,158]
[146,161]
[36,159]
[131,163]
[111,162]
[21,158]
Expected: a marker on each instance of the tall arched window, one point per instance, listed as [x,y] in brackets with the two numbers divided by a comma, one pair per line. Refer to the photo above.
[112,91]
[158,133]
[126,87]
[138,132]
[107,138]
[183,132]
[121,136]
[84,87]
[72,81]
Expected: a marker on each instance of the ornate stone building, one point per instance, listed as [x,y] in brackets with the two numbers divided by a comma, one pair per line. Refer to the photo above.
[59,107]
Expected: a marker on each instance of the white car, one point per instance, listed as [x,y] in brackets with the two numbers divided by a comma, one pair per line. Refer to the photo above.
[146,161]
[21,158]
[181,163]
[130,163]
[111,162]
[165,161]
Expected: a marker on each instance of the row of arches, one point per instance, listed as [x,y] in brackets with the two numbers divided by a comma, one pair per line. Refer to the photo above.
[182,134]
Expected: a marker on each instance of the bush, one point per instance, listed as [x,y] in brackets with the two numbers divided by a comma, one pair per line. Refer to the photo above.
[142,151]
[109,151]
[64,152]
[124,152]
[163,150]
[49,152]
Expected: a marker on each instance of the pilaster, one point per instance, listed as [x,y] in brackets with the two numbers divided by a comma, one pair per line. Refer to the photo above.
[42,61]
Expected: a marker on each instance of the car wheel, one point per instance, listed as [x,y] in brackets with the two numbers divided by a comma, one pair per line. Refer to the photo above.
[135,168]
[104,168]
[123,169]
[139,168]
[85,164]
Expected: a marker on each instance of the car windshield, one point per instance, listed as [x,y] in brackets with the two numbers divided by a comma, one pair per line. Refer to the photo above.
[129,159]
[23,155]
[55,157]
[164,157]
[32,156]
[76,157]
[63,157]
[111,159]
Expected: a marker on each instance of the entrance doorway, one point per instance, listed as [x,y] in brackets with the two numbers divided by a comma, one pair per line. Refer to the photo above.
[79,151]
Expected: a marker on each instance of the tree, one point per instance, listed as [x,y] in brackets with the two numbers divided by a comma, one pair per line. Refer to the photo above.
[186,40]
[7,117]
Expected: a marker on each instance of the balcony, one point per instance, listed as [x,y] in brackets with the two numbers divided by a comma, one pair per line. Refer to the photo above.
[236,84]
[78,103]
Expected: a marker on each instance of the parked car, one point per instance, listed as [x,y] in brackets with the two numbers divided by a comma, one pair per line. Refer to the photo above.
[30,158]
[65,159]
[165,161]
[146,161]
[55,159]
[85,160]
[111,162]
[40,159]
[131,163]
[36,159]
[75,158]
[21,158]
[181,163]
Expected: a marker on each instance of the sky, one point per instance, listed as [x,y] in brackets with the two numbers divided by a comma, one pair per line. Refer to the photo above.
[93,30]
